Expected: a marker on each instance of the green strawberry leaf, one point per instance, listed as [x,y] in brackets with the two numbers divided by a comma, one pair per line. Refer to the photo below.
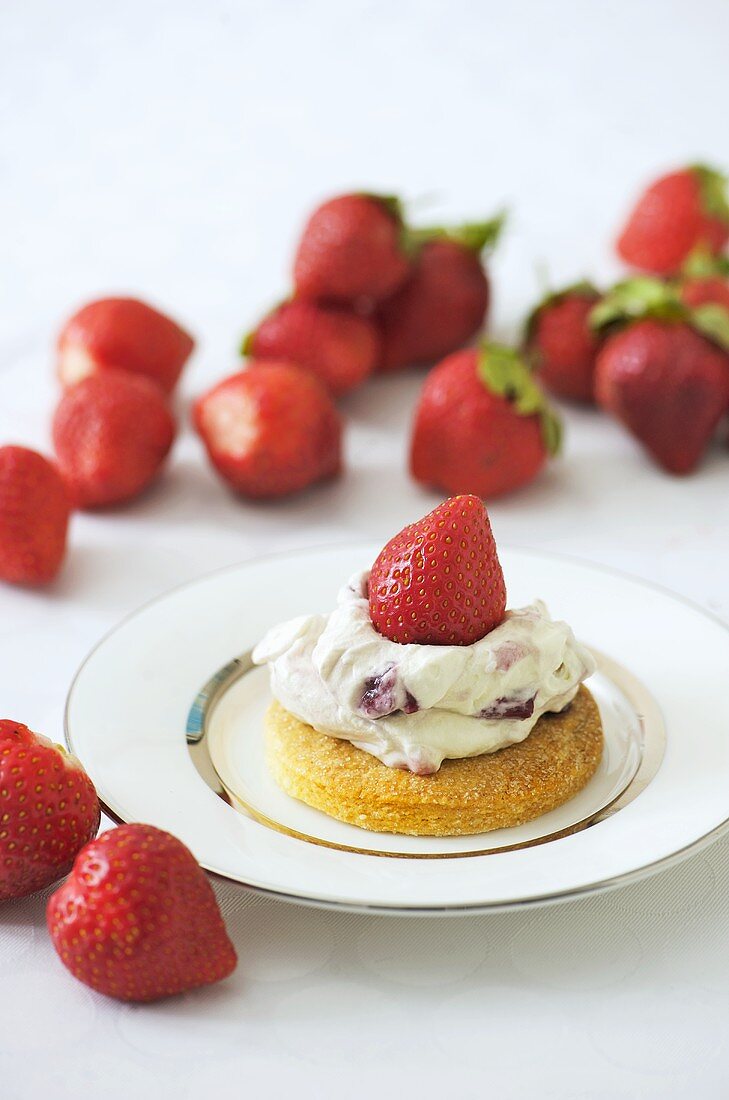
[552,431]
[475,236]
[583,288]
[712,321]
[703,264]
[246,344]
[393,205]
[503,371]
[636,299]
[713,187]
[645,297]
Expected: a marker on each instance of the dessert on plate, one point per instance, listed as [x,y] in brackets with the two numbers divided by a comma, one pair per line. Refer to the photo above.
[421,705]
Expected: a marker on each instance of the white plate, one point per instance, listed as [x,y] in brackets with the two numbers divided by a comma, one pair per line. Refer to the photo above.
[138,692]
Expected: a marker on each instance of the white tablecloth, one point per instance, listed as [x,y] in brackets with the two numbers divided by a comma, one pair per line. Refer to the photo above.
[172,150]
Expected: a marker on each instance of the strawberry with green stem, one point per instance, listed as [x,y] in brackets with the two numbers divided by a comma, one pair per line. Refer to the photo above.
[560,344]
[482,424]
[663,369]
[444,301]
[680,212]
[353,250]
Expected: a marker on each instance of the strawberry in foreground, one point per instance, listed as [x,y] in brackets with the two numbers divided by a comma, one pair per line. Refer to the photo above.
[444,300]
[137,918]
[111,433]
[352,249]
[677,214]
[34,513]
[482,424]
[560,343]
[338,346]
[48,810]
[439,581]
[270,430]
[122,334]
[663,369]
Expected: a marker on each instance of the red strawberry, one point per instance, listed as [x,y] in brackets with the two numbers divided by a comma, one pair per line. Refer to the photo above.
[665,374]
[122,334]
[560,343]
[270,430]
[444,300]
[678,213]
[352,248]
[336,345]
[48,810]
[111,433]
[482,424]
[138,919]
[34,511]
[705,280]
[713,290]
[439,581]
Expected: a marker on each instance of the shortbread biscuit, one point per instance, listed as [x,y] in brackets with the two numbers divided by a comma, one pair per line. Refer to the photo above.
[475,795]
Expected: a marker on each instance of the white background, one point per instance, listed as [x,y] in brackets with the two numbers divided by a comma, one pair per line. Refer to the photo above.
[171,150]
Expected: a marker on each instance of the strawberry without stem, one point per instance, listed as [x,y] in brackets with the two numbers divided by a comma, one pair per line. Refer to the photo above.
[439,581]
[270,430]
[122,334]
[351,249]
[482,425]
[111,433]
[444,300]
[335,344]
[561,344]
[680,212]
[48,810]
[137,918]
[34,513]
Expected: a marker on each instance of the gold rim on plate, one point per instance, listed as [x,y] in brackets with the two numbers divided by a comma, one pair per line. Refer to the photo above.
[652,748]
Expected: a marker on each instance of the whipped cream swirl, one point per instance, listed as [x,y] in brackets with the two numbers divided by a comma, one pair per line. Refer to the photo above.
[412,706]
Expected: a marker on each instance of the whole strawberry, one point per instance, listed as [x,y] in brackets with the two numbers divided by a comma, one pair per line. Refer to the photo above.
[560,343]
[122,334]
[111,433]
[34,512]
[137,918]
[352,249]
[680,212]
[334,343]
[482,425]
[663,370]
[48,810]
[270,430]
[444,300]
[439,581]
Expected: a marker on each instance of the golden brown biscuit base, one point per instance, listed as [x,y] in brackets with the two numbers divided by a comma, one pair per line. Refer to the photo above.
[491,791]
